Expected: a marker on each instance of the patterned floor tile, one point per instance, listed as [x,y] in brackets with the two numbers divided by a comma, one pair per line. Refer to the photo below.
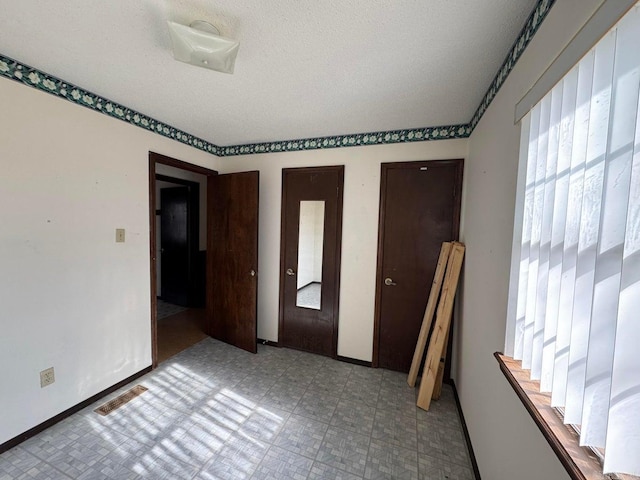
[111,467]
[389,377]
[283,396]
[395,428]
[219,470]
[266,369]
[264,423]
[329,384]
[160,461]
[238,459]
[196,444]
[151,433]
[440,419]
[160,469]
[318,362]
[397,398]
[73,447]
[228,408]
[372,376]
[336,369]
[319,406]
[301,375]
[75,460]
[431,468]
[49,442]
[254,386]
[302,435]
[192,399]
[320,471]
[361,391]
[344,450]
[42,471]
[280,464]
[443,443]
[215,412]
[444,412]
[389,462]
[16,462]
[354,416]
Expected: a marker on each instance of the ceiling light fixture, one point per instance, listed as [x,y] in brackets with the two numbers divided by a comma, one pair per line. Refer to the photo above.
[200,44]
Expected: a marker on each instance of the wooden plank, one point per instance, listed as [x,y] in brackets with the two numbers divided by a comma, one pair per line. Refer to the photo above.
[429,311]
[437,389]
[443,321]
[440,375]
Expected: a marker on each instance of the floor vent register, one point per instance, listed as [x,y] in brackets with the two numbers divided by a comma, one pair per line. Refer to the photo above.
[120,400]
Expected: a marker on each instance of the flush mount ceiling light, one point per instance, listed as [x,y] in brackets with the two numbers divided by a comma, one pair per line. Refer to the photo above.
[200,44]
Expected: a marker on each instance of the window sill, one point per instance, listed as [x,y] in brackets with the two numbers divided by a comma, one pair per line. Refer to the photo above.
[580,463]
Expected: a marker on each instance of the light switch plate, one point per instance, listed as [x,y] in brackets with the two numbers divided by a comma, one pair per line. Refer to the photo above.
[119,235]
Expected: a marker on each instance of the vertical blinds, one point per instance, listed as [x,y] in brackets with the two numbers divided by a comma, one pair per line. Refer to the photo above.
[576,320]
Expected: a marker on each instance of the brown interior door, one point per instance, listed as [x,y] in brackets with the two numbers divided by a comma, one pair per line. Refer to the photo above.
[174,242]
[232,258]
[419,209]
[310,258]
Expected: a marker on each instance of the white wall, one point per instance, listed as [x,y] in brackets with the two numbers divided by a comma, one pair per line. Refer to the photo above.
[507,443]
[359,229]
[71,297]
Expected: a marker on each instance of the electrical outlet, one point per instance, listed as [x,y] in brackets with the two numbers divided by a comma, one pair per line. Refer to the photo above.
[47,377]
[119,235]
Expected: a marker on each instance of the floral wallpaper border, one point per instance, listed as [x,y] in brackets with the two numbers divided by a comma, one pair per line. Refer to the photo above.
[40,80]
[35,78]
[527,33]
[354,140]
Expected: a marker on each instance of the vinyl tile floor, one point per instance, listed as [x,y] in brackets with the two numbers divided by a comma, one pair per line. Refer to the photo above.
[216,412]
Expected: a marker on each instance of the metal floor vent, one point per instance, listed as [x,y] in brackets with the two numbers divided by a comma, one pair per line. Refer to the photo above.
[120,400]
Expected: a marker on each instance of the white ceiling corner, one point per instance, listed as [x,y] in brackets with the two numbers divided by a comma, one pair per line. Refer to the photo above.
[304,69]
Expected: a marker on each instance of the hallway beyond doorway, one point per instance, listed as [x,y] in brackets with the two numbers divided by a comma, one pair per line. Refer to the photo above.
[179,331]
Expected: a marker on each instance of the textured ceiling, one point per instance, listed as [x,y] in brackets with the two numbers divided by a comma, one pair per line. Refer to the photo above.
[304,68]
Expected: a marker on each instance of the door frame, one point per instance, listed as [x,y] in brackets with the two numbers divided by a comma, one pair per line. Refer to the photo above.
[338,260]
[155,159]
[385,167]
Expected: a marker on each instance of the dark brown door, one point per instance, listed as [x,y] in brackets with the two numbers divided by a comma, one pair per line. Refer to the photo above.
[174,244]
[232,258]
[419,209]
[310,258]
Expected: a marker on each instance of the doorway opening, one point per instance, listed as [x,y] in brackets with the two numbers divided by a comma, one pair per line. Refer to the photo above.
[178,220]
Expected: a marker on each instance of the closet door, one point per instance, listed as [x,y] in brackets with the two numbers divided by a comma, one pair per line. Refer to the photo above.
[310,258]
[419,209]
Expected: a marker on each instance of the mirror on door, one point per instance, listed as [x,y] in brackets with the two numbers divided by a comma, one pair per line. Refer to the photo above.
[310,241]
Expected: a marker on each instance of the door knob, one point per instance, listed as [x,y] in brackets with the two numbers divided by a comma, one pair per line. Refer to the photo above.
[290,272]
[252,273]
[388,281]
